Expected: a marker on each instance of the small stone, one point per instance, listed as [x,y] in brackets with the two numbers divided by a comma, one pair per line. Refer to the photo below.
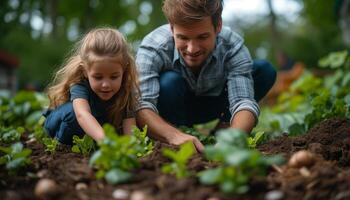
[42,173]
[304,172]
[213,198]
[46,189]
[31,140]
[139,195]
[81,186]
[120,194]
[274,195]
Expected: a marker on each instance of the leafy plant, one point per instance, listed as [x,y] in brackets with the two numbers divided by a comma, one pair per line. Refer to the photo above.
[15,157]
[24,109]
[180,159]
[253,141]
[10,135]
[205,139]
[143,140]
[118,155]
[202,131]
[39,133]
[50,144]
[310,99]
[237,162]
[83,145]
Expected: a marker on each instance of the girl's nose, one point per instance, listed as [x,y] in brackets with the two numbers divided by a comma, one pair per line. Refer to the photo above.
[105,84]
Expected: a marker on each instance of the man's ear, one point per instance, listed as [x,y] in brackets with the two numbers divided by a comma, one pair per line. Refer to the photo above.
[219,26]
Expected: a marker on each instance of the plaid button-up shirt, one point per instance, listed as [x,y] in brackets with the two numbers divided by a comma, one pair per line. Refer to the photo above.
[228,65]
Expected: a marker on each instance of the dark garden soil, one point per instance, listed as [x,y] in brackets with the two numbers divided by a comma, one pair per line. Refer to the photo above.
[327,178]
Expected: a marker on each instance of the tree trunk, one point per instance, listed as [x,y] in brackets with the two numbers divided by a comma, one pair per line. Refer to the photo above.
[51,8]
[345,21]
[274,37]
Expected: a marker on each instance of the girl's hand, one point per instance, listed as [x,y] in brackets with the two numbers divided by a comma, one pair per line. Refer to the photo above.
[86,120]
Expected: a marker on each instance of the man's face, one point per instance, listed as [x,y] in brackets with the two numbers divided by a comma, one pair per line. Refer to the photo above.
[195,41]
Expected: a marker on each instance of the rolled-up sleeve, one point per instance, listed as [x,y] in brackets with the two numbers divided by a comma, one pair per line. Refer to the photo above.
[240,83]
[148,64]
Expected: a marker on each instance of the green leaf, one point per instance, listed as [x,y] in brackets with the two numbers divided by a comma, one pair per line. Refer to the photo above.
[75,149]
[347,99]
[334,59]
[185,152]
[232,137]
[210,176]
[116,176]
[238,158]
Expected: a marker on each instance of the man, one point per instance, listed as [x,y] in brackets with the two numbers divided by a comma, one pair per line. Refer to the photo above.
[194,70]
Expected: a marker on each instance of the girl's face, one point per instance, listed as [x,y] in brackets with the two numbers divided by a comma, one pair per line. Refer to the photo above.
[105,78]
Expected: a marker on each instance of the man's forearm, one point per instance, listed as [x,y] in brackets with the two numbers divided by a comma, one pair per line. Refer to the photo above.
[244,120]
[158,128]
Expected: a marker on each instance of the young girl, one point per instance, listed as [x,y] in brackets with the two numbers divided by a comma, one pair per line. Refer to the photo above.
[97,85]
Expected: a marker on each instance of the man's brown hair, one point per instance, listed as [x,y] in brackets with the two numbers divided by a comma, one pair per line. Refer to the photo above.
[184,12]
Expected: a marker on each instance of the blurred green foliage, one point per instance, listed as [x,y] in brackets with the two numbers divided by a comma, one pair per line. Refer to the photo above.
[40,33]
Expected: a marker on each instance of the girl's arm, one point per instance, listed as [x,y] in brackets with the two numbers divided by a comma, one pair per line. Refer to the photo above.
[86,120]
[128,123]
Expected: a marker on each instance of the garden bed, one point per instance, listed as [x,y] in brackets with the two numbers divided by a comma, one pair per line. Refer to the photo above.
[327,178]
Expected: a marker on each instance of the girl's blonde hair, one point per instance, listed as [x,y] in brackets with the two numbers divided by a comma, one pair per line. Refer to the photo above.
[98,44]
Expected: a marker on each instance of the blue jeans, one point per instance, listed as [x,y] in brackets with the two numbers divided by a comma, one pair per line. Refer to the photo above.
[62,123]
[179,106]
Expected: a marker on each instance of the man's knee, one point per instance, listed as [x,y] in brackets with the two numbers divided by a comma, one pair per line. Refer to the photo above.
[171,84]
[264,75]
[265,70]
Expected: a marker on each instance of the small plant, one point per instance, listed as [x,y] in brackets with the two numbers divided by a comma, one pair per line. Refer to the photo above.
[15,157]
[237,162]
[83,145]
[180,159]
[253,141]
[50,144]
[118,155]
[24,109]
[205,139]
[10,135]
[39,133]
[145,142]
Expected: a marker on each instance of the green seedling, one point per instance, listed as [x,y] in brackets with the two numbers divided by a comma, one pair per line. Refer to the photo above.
[237,162]
[50,144]
[205,139]
[143,140]
[83,145]
[117,155]
[24,109]
[180,159]
[10,135]
[15,157]
[257,139]
[39,133]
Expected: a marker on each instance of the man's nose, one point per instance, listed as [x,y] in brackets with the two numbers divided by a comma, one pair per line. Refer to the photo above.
[192,47]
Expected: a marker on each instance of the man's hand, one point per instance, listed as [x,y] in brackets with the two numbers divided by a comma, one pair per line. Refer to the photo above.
[181,138]
[159,129]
